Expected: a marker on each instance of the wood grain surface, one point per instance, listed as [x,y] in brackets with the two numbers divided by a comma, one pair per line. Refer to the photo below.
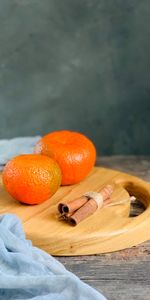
[101,232]
[124,274]
[108,229]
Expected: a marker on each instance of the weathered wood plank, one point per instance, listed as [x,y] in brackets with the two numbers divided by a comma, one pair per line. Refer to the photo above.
[135,165]
[125,274]
[117,277]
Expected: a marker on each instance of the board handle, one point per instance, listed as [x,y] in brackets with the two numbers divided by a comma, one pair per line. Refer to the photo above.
[136,187]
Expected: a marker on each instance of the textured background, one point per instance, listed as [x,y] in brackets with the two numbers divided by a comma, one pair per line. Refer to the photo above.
[77,64]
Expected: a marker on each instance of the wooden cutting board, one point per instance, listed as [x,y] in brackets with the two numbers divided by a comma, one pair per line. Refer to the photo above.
[109,229]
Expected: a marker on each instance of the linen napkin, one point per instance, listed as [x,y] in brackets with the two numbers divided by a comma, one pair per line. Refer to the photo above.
[27,272]
[16,146]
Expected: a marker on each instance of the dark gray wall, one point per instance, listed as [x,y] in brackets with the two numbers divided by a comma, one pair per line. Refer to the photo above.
[77,64]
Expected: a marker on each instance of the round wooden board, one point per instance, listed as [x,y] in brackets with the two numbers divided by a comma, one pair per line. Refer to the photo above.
[109,229]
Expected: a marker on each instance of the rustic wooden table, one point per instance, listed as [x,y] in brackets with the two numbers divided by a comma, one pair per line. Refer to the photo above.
[125,274]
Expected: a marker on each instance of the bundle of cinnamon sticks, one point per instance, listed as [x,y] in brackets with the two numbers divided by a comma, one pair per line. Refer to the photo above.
[77,210]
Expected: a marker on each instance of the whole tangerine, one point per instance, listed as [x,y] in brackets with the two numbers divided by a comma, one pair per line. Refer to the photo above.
[31,178]
[73,151]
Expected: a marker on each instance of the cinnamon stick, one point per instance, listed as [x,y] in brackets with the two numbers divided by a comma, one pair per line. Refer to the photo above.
[79,209]
[103,198]
[64,216]
[85,211]
[106,192]
[73,205]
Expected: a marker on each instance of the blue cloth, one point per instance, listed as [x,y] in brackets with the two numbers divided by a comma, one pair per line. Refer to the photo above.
[27,272]
[16,146]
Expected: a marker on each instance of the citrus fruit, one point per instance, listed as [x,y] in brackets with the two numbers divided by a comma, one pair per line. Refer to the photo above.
[31,178]
[73,151]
